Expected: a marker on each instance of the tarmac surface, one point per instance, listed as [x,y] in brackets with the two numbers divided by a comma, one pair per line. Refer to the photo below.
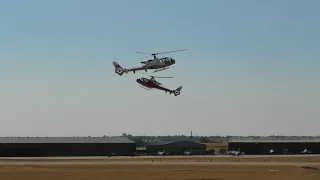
[113,161]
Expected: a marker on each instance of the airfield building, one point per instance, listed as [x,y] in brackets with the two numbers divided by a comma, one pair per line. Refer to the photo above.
[141,150]
[176,147]
[268,145]
[65,146]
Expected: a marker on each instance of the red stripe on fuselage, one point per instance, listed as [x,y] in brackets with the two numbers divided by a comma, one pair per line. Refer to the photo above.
[151,84]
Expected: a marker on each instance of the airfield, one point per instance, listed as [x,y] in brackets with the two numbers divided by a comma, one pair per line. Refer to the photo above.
[219,167]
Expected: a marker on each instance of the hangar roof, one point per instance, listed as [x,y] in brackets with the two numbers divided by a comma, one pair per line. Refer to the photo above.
[273,139]
[65,140]
[171,142]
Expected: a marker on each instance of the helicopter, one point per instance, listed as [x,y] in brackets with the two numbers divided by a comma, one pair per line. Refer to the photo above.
[151,83]
[159,64]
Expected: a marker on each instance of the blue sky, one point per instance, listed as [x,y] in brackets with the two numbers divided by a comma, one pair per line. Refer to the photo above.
[251,68]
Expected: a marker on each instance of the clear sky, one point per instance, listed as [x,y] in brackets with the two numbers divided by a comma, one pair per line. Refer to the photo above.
[252,67]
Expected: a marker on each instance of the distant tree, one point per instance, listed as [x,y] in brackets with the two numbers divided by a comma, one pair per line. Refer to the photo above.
[204,140]
[130,136]
[124,134]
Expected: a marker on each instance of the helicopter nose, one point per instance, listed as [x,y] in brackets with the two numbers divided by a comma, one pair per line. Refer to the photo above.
[139,81]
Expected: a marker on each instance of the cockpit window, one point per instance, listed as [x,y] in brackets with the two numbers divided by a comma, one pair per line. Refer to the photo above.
[167,60]
[142,79]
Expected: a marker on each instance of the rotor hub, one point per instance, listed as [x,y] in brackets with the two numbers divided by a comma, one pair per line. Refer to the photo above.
[119,70]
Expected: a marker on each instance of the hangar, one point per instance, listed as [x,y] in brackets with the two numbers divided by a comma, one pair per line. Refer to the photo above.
[272,145]
[65,146]
[176,147]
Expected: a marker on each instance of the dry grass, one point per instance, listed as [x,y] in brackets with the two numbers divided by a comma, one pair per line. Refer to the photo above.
[156,172]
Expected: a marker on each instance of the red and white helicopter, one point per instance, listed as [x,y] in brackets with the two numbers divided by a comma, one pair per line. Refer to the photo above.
[151,83]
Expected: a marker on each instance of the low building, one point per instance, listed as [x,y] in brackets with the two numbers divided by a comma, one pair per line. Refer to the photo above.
[270,145]
[216,147]
[176,147]
[141,150]
[66,146]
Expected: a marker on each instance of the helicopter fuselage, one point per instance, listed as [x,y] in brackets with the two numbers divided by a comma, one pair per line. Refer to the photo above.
[159,62]
[149,83]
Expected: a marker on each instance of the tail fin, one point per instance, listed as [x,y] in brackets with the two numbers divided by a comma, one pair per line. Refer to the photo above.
[118,69]
[177,91]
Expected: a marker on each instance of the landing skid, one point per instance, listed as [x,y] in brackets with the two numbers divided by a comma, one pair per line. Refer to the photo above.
[145,88]
[160,69]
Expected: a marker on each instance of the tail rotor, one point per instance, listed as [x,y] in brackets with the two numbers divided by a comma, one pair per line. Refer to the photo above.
[177,91]
[118,69]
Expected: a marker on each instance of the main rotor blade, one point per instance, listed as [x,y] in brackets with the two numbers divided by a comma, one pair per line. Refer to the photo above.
[161,77]
[172,51]
[162,52]
[143,53]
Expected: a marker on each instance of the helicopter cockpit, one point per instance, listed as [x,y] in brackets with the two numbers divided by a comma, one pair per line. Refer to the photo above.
[142,79]
[168,60]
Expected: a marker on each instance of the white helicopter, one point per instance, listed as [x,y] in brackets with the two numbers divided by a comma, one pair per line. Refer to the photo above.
[236,153]
[162,153]
[187,153]
[306,152]
[271,151]
[159,64]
